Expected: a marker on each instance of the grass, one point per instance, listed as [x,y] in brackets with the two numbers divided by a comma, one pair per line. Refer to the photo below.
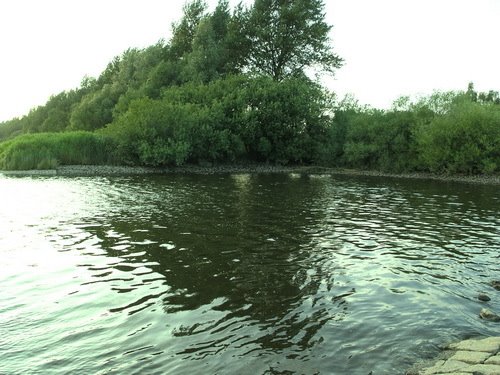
[49,150]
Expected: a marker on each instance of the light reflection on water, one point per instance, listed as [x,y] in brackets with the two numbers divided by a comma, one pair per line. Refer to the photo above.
[247,274]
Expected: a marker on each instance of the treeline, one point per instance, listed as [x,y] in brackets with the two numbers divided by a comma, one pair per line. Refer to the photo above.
[447,132]
[231,86]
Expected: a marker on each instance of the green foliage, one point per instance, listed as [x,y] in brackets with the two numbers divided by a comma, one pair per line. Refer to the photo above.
[209,58]
[96,109]
[218,48]
[48,150]
[286,36]
[380,140]
[285,120]
[450,132]
[11,128]
[492,97]
[232,85]
[175,129]
[224,120]
[165,74]
[205,46]
[123,80]
[184,31]
[153,133]
[51,117]
[464,140]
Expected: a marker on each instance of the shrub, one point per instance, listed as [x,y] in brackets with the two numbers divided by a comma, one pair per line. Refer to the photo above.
[464,140]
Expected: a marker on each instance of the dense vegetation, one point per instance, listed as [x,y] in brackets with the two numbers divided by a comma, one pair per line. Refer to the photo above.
[231,85]
[452,132]
[48,150]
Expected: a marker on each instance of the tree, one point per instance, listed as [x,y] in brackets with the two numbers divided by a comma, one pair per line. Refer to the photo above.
[288,36]
[210,58]
[482,97]
[204,63]
[183,33]
[95,110]
[466,139]
[219,46]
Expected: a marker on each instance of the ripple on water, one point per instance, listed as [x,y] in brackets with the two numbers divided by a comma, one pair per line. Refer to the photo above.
[240,274]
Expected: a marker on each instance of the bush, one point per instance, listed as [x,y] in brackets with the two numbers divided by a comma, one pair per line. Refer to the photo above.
[373,139]
[154,133]
[443,133]
[285,122]
[464,140]
[225,120]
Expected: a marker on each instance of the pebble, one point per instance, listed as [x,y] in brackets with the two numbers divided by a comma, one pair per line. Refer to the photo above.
[495,284]
[210,168]
[483,297]
[487,314]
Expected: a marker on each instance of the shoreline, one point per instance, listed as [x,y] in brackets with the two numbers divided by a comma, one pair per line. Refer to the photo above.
[479,355]
[110,170]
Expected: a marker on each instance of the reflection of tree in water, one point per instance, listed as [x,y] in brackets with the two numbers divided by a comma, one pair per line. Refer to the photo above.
[241,240]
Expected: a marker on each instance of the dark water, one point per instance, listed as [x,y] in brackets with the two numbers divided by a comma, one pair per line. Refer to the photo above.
[241,274]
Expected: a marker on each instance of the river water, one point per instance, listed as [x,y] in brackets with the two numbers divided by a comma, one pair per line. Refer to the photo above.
[241,274]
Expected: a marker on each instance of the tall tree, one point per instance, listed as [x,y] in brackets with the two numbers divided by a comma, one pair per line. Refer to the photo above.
[216,49]
[183,33]
[288,36]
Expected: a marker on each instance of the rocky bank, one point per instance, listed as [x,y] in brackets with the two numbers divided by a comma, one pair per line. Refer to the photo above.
[468,357]
[107,170]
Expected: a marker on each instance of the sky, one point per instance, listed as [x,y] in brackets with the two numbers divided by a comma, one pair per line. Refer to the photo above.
[390,47]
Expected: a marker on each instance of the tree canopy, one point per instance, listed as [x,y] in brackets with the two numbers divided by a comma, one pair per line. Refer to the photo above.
[236,85]
[288,36]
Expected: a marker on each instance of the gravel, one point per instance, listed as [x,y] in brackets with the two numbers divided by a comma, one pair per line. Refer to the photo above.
[107,170]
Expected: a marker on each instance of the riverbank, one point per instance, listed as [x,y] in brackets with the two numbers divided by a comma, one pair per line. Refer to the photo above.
[109,170]
[474,356]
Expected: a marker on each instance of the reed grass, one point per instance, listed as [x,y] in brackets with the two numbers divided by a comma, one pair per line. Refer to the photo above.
[49,150]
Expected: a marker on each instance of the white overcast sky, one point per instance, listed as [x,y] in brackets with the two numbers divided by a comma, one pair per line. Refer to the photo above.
[391,47]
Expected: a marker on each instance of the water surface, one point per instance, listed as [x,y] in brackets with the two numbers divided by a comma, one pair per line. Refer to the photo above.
[241,274]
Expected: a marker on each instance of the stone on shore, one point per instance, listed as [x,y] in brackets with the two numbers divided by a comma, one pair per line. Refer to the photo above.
[475,356]
[470,357]
[487,314]
[484,370]
[483,297]
[445,367]
[489,345]
[495,360]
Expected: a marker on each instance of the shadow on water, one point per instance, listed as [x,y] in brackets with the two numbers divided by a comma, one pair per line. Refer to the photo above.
[233,253]
[289,273]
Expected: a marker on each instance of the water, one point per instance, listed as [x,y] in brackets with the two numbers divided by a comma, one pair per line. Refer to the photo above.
[241,274]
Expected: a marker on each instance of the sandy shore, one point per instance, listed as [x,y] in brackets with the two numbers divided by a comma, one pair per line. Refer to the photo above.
[107,170]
